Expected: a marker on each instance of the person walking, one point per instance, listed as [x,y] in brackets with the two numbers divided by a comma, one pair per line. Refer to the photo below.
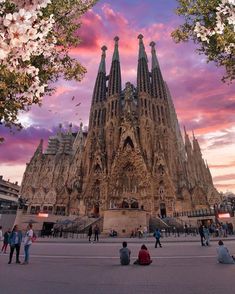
[6,241]
[206,234]
[157,235]
[125,254]
[143,256]
[89,233]
[201,233]
[27,243]
[223,254]
[96,233]
[15,240]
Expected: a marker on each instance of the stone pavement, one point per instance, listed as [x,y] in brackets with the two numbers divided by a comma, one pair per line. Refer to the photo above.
[71,267]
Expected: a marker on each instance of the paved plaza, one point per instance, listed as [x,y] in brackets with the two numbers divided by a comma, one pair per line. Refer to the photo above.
[59,266]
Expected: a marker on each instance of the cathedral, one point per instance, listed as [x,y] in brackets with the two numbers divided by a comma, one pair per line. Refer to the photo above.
[131,157]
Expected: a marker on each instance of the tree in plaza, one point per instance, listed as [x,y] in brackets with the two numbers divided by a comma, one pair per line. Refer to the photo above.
[211,25]
[35,38]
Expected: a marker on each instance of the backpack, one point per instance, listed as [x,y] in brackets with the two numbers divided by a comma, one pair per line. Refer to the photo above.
[34,238]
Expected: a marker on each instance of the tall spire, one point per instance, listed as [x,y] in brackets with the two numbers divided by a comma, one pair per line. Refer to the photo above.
[116,53]
[142,53]
[99,93]
[158,84]
[114,86]
[154,56]
[102,67]
[143,78]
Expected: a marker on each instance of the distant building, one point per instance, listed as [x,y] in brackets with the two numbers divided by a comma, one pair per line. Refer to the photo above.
[132,157]
[9,193]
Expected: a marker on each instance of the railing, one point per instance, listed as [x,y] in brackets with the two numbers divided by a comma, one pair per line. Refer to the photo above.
[203,212]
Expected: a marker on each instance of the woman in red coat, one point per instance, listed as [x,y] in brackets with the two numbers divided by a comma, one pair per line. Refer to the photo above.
[143,257]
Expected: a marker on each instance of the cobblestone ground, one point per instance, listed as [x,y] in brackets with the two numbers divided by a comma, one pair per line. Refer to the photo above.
[70,267]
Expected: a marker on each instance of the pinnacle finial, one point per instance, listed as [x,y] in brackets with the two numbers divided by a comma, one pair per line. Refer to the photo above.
[152,44]
[104,48]
[116,39]
[140,37]
[115,53]
[102,62]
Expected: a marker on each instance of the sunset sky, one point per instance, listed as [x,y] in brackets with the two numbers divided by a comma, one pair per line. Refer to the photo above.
[203,103]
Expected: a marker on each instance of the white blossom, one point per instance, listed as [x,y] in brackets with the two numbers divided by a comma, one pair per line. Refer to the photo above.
[23,34]
[225,15]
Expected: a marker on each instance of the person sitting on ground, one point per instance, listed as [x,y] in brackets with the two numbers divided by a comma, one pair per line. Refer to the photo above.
[125,254]
[143,256]
[223,254]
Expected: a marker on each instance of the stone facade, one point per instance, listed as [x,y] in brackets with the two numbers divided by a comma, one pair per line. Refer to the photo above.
[132,156]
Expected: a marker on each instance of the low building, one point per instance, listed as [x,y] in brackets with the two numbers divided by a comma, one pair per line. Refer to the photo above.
[9,193]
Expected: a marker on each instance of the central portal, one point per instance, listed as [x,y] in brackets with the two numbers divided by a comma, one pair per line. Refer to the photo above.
[163,210]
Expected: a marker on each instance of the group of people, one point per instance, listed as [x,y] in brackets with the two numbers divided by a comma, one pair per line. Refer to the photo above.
[143,255]
[14,239]
[95,231]
[223,255]
[139,232]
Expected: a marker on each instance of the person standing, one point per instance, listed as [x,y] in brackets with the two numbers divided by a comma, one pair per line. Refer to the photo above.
[89,233]
[125,254]
[145,232]
[206,234]
[15,240]
[157,235]
[96,233]
[201,233]
[27,243]
[6,240]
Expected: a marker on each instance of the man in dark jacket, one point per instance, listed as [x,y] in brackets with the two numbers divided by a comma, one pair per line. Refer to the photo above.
[96,233]
[157,235]
[15,240]
[201,233]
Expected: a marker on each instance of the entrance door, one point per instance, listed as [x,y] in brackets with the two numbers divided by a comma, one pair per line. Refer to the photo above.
[163,210]
[96,211]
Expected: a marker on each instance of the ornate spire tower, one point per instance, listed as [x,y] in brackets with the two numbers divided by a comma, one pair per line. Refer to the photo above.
[97,113]
[114,85]
[143,79]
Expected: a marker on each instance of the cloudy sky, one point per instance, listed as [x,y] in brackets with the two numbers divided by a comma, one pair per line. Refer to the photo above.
[203,103]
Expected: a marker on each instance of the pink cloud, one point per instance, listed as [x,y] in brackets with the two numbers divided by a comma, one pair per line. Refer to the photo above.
[224,177]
